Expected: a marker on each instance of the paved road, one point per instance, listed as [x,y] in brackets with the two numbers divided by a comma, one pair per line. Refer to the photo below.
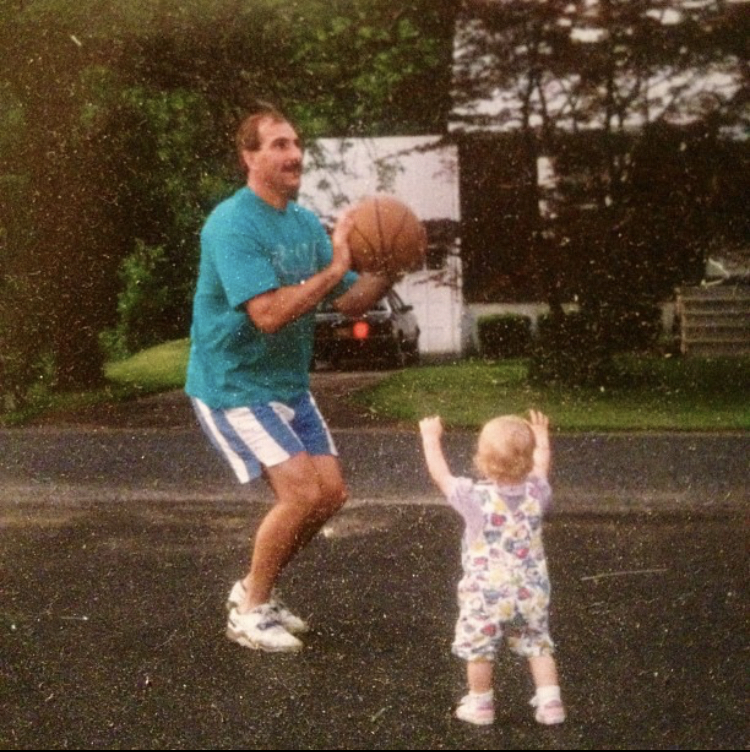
[607,473]
[117,548]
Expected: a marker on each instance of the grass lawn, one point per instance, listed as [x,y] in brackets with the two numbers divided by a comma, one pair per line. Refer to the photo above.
[157,369]
[650,393]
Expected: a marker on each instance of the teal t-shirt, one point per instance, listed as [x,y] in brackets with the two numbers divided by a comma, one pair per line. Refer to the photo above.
[247,248]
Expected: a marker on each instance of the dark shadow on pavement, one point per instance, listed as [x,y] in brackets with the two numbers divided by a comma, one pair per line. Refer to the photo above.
[112,633]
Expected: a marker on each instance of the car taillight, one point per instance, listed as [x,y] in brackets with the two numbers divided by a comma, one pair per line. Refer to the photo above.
[361,330]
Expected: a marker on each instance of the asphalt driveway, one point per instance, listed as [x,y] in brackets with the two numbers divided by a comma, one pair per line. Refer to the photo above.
[118,546]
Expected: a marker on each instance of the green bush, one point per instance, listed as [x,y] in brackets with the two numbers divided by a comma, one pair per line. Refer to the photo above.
[569,351]
[578,349]
[634,328]
[140,305]
[504,335]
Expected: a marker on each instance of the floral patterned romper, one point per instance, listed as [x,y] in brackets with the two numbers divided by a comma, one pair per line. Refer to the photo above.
[505,588]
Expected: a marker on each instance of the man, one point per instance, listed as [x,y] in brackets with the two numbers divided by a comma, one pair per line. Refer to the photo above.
[265,265]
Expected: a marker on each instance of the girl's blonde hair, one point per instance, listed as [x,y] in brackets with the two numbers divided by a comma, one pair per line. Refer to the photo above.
[505,449]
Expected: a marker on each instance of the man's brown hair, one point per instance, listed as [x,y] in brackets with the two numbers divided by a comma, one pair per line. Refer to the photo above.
[248,137]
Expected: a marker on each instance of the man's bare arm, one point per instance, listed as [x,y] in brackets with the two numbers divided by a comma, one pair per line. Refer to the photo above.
[273,310]
[270,311]
[363,294]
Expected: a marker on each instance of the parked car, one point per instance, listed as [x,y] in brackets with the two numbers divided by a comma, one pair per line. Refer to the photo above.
[387,335]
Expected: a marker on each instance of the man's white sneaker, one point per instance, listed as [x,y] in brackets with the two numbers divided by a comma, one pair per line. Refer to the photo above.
[236,595]
[291,622]
[260,629]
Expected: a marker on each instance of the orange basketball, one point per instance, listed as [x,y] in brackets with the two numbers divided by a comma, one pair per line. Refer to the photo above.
[386,236]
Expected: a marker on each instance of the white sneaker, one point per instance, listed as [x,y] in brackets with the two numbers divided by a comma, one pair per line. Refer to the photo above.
[260,629]
[236,595]
[291,622]
[549,712]
[477,710]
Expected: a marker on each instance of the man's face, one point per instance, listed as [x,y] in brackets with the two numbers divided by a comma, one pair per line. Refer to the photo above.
[276,167]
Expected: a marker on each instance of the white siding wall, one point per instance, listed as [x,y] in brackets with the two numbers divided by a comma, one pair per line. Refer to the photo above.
[345,170]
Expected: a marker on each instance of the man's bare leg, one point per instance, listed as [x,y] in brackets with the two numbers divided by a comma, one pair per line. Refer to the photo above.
[309,490]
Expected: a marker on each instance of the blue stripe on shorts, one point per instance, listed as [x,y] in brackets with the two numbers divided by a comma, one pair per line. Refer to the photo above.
[265,434]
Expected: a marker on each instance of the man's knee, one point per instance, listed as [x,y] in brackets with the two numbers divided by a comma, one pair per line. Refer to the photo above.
[330,499]
[316,486]
[321,500]
[339,497]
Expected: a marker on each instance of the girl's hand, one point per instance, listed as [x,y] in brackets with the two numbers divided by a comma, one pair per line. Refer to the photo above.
[539,424]
[431,428]
[538,420]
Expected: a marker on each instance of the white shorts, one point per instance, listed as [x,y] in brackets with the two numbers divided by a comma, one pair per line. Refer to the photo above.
[266,434]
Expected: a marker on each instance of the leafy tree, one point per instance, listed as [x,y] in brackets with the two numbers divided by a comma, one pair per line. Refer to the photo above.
[375,67]
[116,140]
[629,106]
[164,143]
[49,217]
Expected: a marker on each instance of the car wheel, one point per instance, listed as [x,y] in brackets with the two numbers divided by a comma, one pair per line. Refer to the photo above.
[397,356]
[413,356]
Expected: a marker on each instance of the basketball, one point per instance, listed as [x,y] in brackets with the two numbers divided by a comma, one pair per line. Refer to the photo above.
[386,236]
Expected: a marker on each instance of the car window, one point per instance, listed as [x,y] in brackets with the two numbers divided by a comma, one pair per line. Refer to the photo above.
[396,303]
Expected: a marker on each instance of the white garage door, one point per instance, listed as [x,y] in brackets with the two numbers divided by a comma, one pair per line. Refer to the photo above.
[439,310]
